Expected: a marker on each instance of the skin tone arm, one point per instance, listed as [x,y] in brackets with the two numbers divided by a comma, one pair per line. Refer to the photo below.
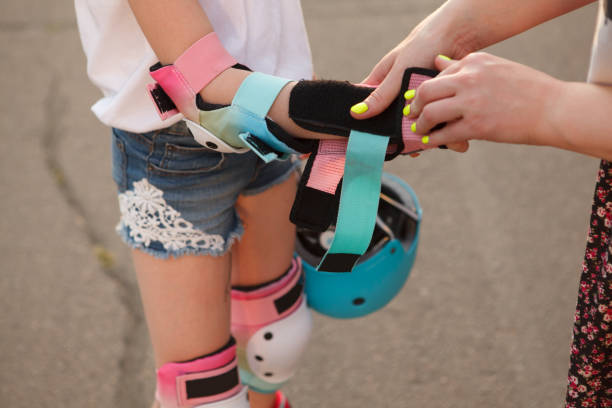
[456,29]
[530,107]
[172,27]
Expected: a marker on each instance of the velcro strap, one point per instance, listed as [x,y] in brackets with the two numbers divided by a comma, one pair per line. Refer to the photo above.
[191,72]
[203,62]
[359,198]
[253,310]
[328,166]
[316,203]
[254,98]
[204,380]
[210,386]
[412,141]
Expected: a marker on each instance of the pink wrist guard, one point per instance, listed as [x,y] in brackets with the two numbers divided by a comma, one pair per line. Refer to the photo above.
[190,73]
[201,381]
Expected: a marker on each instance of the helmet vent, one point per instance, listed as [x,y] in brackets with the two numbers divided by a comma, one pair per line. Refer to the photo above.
[358,301]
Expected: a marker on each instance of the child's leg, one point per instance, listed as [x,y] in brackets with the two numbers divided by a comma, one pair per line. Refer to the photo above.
[266,249]
[186,303]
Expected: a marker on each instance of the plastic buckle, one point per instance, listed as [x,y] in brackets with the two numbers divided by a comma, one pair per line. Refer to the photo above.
[261,149]
[207,139]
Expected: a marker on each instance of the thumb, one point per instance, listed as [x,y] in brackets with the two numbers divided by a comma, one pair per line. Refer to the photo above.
[442,62]
[380,98]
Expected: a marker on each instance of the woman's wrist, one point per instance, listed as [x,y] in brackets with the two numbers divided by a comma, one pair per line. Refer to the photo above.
[451,34]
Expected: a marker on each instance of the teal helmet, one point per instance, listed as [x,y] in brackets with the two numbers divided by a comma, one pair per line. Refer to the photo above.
[381,272]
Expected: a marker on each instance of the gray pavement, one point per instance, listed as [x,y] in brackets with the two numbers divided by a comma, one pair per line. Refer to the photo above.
[485,319]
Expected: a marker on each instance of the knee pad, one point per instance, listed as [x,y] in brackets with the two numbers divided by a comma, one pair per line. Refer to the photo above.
[272,325]
[210,381]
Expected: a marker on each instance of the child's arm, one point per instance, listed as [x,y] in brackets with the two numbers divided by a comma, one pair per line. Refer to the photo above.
[172,27]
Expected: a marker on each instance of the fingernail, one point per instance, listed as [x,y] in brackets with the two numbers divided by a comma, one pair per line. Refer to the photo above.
[409,94]
[406,110]
[359,108]
[444,57]
[413,127]
[425,140]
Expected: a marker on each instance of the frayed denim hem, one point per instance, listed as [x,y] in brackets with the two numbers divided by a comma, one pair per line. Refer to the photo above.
[234,236]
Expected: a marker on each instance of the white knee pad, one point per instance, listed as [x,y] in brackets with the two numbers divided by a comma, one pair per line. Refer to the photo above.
[211,381]
[272,326]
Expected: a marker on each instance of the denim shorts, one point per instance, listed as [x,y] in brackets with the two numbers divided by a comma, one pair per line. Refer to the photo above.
[177,197]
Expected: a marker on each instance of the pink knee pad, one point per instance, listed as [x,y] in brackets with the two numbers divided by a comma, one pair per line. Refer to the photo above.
[272,326]
[211,381]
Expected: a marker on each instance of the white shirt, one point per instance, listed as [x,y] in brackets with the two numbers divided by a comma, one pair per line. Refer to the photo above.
[268,36]
[601,58]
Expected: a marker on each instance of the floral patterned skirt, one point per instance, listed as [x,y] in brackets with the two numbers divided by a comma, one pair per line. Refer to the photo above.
[590,373]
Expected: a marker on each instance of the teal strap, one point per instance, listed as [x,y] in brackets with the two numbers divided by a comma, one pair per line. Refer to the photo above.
[258,92]
[359,198]
[252,101]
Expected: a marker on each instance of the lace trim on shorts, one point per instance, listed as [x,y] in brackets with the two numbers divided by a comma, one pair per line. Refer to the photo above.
[151,219]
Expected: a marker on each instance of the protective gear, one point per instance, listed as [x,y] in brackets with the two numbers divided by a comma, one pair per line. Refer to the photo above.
[315,105]
[341,182]
[272,325]
[211,381]
[178,84]
[381,272]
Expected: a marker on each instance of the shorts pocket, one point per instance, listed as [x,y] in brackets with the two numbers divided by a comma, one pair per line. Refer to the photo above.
[179,159]
[119,162]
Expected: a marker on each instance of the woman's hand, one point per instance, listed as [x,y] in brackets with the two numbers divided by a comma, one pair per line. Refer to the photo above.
[486,97]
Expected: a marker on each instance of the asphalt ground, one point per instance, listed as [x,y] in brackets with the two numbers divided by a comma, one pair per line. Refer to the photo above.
[485,319]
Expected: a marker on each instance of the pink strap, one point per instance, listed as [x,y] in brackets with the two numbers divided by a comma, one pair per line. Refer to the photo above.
[412,142]
[204,61]
[328,166]
[191,72]
[259,308]
[172,378]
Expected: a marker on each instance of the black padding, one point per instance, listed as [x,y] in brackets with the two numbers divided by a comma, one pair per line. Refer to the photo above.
[206,387]
[285,302]
[314,209]
[299,145]
[338,262]
[324,106]
[161,99]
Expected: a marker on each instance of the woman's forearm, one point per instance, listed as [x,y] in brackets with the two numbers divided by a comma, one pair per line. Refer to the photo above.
[471,25]
[580,120]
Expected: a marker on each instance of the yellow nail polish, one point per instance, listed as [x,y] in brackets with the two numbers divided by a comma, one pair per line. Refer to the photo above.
[359,108]
[406,110]
[444,57]
[425,140]
[413,127]
[409,94]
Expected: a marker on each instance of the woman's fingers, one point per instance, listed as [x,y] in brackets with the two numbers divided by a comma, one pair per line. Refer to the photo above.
[454,134]
[442,62]
[380,98]
[431,91]
[444,110]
